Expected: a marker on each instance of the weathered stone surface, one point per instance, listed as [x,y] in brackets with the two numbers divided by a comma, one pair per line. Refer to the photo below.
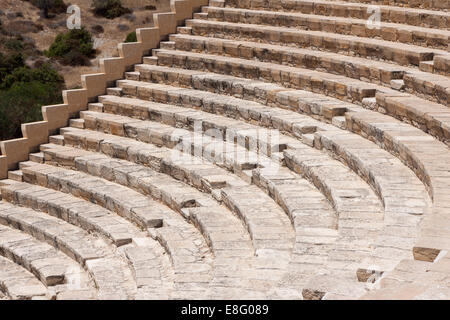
[267,150]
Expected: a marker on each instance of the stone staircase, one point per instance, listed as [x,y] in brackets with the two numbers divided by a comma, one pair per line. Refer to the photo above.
[279,149]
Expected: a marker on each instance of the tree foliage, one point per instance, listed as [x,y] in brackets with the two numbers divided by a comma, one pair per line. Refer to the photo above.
[109,8]
[49,6]
[23,91]
[74,47]
[131,37]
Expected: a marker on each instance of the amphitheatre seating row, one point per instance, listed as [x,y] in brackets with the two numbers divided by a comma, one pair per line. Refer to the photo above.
[282,194]
[115,197]
[428,4]
[269,149]
[429,86]
[139,107]
[359,10]
[411,147]
[201,210]
[428,116]
[387,132]
[52,268]
[428,37]
[192,98]
[403,54]
[19,284]
[69,239]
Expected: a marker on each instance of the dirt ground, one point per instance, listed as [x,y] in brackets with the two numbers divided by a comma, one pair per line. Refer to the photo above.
[24,18]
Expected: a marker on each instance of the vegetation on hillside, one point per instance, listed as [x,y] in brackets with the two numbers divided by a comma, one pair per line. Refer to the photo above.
[24,87]
[74,47]
[49,7]
[109,8]
[28,77]
[131,37]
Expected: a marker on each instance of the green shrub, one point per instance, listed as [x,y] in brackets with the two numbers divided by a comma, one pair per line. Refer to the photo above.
[109,8]
[131,37]
[43,74]
[22,103]
[24,90]
[22,93]
[8,64]
[14,44]
[72,48]
[49,6]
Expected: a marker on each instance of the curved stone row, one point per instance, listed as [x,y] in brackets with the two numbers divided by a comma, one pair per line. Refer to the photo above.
[429,4]
[120,106]
[221,184]
[140,107]
[376,49]
[19,284]
[432,118]
[389,13]
[348,26]
[193,203]
[91,253]
[376,72]
[186,248]
[53,269]
[94,219]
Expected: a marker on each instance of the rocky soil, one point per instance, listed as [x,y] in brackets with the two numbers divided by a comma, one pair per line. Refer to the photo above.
[22,18]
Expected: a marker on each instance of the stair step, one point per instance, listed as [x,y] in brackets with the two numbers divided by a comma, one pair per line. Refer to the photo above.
[150,60]
[117,91]
[97,107]
[398,85]
[184,30]
[15,175]
[426,66]
[200,15]
[135,76]
[308,139]
[58,139]
[339,122]
[217,3]
[167,45]
[37,157]
[77,123]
